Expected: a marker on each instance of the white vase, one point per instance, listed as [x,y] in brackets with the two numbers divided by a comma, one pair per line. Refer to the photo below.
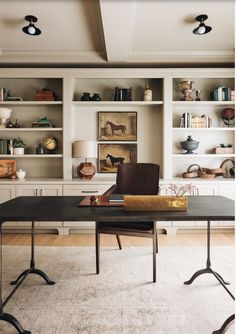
[18,150]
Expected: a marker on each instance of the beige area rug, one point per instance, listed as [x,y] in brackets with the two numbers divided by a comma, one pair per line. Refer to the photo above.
[122,299]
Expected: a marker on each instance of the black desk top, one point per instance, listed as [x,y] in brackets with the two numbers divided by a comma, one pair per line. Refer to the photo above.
[64,208]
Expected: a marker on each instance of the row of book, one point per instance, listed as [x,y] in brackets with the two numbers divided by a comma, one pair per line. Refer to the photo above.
[194,121]
[222,94]
[6,146]
[122,94]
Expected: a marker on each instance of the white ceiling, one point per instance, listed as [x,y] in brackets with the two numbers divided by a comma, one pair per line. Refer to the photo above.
[110,32]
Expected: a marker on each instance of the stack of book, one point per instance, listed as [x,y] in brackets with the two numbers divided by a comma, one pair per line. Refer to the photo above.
[222,94]
[194,121]
[5,146]
[122,94]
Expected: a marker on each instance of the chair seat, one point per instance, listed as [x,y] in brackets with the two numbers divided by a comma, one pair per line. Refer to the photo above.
[145,227]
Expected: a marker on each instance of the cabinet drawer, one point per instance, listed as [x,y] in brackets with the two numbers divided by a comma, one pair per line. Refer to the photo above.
[85,190]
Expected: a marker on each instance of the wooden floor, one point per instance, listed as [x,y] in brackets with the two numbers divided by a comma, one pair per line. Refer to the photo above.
[188,239]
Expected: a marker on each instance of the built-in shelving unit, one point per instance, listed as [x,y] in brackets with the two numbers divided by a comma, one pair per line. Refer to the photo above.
[158,126]
[215,131]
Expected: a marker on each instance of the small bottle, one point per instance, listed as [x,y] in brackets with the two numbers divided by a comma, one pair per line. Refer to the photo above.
[16,125]
[10,148]
[147,94]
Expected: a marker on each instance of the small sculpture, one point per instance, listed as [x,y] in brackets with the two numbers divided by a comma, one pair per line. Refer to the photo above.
[187,90]
[189,145]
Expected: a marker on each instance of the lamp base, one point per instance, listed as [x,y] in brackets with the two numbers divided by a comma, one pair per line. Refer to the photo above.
[86,170]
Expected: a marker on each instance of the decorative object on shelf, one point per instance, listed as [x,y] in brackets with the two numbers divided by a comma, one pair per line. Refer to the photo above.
[228,167]
[51,144]
[195,170]
[85,97]
[180,190]
[10,147]
[228,116]
[14,98]
[30,29]
[16,125]
[198,93]
[42,123]
[147,95]
[202,28]
[39,149]
[111,155]
[87,150]
[187,90]
[189,145]
[18,146]
[45,94]
[4,94]
[96,97]
[5,113]
[117,126]
[192,171]
[20,174]
[224,149]
[7,168]
[9,125]
[122,94]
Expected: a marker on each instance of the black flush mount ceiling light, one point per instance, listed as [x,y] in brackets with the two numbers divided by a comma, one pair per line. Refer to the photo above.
[31,29]
[202,28]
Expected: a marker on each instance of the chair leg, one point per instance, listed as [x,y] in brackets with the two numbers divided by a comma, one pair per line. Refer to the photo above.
[156,242]
[118,241]
[97,249]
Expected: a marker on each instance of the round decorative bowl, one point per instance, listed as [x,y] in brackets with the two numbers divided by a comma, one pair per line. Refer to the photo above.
[20,174]
[189,145]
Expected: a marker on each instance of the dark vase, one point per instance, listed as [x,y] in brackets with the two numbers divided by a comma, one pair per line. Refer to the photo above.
[9,125]
[39,149]
[86,97]
[96,97]
[16,125]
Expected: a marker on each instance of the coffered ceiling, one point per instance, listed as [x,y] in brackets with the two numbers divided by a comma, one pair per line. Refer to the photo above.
[116,32]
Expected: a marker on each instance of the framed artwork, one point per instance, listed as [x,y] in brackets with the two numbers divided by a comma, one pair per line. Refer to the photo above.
[117,126]
[111,155]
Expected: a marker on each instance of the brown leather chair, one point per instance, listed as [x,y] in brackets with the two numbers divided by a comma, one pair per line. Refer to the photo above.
[132,179]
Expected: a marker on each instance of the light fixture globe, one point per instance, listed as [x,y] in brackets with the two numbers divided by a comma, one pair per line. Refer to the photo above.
[31,29]
[202,28]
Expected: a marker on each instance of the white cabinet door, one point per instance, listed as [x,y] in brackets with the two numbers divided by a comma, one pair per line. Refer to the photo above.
[7,192]
[227,190]
[83,190]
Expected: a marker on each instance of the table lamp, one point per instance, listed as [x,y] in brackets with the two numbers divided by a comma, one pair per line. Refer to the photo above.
[85,149]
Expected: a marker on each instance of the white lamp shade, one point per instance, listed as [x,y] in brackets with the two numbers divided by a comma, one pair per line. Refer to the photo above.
[84,149]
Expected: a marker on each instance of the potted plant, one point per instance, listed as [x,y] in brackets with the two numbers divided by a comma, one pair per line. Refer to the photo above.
[18,146]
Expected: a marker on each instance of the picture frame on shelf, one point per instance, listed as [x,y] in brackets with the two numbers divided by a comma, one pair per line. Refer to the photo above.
[117,126]
[111,155]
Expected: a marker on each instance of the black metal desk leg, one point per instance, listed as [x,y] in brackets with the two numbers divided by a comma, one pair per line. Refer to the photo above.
[6,316]
[32,269]
[208,269]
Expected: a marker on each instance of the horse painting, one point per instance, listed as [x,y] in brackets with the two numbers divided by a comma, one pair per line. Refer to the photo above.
[117,127]
[115,160]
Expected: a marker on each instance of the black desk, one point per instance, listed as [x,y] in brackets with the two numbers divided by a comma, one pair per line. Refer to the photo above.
[203,208]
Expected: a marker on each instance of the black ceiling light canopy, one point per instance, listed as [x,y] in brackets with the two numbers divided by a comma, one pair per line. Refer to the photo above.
[31,29]
[202,28]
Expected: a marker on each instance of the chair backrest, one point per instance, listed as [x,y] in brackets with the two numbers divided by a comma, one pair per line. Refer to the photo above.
[138,179]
